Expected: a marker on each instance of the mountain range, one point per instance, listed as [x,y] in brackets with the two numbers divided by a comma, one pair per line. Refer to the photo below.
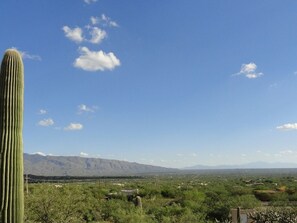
[40,165]
[36,164]
[252,165]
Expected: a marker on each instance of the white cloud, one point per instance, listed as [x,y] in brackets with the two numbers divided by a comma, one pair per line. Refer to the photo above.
[90,1]
[253,75]
[74,127]
[94,20]
[83,154]
[108,21]
[288,126]
[40,153]
[75,34]
[96,60]
[249,70]
[26,55]
[97,35]
[46,122]
[103,20]
[287,152]
[84,108]
[42,112]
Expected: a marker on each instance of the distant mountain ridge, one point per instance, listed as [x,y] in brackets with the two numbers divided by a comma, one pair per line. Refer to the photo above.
[36,164]
[253,165]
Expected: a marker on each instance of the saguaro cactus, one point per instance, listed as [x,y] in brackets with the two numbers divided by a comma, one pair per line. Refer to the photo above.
[138,202]
[11,140]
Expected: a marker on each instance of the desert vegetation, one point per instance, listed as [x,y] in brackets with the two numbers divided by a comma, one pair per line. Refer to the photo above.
[191,198]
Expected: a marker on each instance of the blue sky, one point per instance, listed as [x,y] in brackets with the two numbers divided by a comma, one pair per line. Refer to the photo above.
[171,83]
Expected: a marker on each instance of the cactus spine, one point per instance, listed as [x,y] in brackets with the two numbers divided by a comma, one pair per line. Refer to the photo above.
[11,141]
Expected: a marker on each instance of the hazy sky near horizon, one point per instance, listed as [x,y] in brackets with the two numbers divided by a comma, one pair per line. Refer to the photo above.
[171,83]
